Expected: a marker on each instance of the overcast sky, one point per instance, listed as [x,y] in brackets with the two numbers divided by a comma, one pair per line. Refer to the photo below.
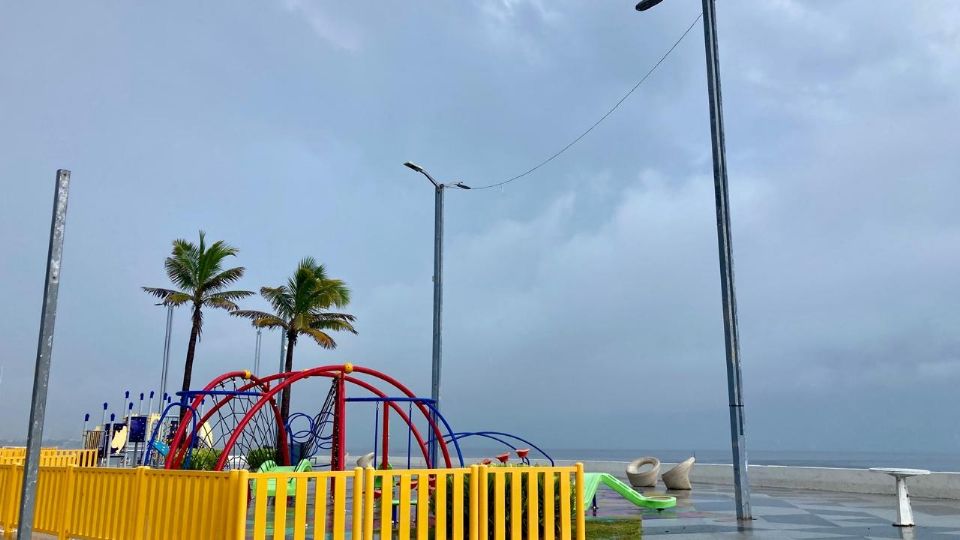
[582,304]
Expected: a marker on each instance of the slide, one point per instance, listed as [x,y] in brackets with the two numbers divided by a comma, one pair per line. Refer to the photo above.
[592,482]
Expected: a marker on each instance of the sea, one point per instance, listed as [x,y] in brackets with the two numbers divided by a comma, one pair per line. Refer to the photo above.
[933,461]
[939,462]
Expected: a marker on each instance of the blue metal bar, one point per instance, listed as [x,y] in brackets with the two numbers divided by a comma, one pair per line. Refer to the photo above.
[456,444]
[156,427]
[456,436]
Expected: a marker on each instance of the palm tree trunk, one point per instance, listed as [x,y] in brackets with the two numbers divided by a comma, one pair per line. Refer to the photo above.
[191,350]
[285,395]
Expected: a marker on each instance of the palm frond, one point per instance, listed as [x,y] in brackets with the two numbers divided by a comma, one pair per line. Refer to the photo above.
[169,297]
[261,319]
[230,295]
[337,325]
[322,338]
[221,303]
[223,279]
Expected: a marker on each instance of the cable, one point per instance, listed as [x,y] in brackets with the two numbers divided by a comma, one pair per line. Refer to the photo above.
[602,118]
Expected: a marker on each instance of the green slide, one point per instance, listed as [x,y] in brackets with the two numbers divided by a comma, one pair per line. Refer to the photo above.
[592,483]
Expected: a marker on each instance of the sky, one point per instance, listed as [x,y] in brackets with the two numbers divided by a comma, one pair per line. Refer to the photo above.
[582,303]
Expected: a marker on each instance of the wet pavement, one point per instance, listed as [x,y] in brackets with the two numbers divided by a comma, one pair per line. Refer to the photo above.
[708,512]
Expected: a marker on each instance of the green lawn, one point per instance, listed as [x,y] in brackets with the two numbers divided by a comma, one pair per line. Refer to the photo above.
[618,529]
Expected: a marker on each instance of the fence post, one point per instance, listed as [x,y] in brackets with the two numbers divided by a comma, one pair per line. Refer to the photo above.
[368,503]
[477,517]
[358,502]
[241,485]
[581,505]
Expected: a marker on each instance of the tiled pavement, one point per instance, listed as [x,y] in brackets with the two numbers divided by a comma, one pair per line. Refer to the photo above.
[707,512]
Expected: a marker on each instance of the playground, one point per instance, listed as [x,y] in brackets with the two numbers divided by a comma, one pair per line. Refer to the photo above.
[297,476]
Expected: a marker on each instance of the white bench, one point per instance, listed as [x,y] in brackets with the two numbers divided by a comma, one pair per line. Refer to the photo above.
[904,512]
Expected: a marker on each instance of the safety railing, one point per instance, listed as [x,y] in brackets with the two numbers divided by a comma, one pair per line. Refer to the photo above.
[129,504]
[51,457]
[480,502]
[476,503]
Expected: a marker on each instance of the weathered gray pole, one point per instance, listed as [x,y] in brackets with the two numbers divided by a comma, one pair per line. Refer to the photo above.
[725,244]
[283,351]
[437,309]
[166,356]
[41,376]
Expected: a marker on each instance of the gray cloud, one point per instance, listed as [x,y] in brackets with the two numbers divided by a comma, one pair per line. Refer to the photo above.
[575,299]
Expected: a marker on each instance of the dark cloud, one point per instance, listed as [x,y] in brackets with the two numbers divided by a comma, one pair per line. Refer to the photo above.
[582,304]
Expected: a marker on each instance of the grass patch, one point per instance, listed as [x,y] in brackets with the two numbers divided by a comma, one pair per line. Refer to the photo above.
[615,529]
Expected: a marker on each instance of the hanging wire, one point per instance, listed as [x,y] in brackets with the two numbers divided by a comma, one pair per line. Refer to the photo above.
[602,118]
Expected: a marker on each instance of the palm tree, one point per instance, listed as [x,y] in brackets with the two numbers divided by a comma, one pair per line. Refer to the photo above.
[300,307]
[198,274]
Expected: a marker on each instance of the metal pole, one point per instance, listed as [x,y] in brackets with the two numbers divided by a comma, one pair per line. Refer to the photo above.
[437,309]
[283,351]
[256,354]
[41,376]
[725,243]
[166,355]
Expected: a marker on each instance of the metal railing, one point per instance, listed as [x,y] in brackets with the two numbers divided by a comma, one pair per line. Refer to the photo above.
[479,502]
[50,457]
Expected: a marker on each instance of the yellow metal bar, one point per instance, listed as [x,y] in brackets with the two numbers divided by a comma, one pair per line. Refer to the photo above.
[516,506]
[386,505]
[500,506]
[440,504]
[280,508]
[340,507]
[241,488]
[423,505]
[357,529]
[533,509]
[260,508]
[549,502]
[564,505]
[483,516]
[368,508]
[581,508]
[320,507]
[403,518]
[458,502]
[300,511]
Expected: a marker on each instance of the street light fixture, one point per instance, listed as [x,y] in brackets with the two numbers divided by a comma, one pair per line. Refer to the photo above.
[437,292]
[724,238]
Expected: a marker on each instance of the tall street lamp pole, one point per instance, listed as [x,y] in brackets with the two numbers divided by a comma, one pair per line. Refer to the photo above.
[165,371]
[725,244]
[437,292]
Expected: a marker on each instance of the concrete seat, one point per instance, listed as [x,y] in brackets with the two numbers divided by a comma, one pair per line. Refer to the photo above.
[640,477]
[679,476]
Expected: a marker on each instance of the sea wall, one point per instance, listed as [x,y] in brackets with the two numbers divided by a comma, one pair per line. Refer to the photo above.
[935,485]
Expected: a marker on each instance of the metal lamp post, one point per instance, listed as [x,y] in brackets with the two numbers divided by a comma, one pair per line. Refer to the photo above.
[166,354]
[731,333]
[437,291]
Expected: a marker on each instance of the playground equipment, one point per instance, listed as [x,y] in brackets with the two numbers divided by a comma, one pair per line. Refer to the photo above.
[592,482]
[243,417]
[235,421]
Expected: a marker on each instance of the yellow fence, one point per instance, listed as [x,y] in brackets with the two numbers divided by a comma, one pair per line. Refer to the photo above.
[50,457]
[480,502]
[130,504]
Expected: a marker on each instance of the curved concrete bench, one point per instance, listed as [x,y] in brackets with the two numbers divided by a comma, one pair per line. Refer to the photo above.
[643,478]
[679,476]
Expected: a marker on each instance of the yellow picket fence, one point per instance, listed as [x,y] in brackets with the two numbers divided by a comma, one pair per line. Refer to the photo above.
[480,502]
[50,457]
[129,504]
